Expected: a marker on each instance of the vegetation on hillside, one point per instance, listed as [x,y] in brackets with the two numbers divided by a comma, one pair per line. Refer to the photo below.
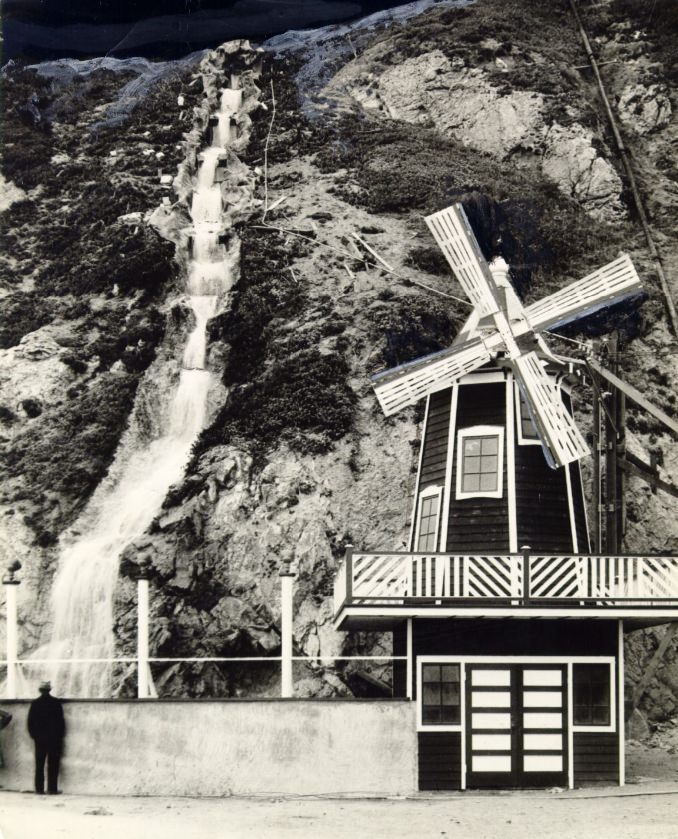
[68,261]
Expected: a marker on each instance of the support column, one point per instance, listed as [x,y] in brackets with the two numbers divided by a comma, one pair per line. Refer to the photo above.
[410,661]
[527,584]
[11,584]
[612,540]
[286,628]
[621,716]
[143,681]
[597,523]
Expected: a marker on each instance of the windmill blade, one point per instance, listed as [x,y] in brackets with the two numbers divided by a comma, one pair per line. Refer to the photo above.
[561,439]
[453,233]
[607,285]
[407,384]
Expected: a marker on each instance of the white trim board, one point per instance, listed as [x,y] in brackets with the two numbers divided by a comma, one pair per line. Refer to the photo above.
[447,494]
[421,458]
[511,466]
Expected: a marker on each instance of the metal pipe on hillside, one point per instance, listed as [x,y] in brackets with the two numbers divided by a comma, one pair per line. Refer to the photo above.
[640,207]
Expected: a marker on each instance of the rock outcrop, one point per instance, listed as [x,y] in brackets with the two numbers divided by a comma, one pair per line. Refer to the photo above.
[461,101]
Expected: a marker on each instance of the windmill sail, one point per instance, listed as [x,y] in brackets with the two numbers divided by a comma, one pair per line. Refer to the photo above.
[452,232]
[561,439]
[609,284]
[405,385]
[499,323]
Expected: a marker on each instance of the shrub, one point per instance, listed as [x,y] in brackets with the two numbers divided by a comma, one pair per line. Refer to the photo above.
[23,312]
[414,327]
[304,401]
[265,291]
[68,450]
[76,364]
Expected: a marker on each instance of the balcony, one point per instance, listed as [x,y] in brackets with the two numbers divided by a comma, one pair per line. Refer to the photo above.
[378,590]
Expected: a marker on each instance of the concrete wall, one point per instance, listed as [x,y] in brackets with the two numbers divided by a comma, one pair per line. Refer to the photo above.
[231,747]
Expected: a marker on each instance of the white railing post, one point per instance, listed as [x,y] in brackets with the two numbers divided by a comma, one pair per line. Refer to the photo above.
[143,681]
[286,628]
[11,584]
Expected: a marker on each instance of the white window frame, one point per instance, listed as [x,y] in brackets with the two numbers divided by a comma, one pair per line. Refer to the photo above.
[429,492]
[601,727]
[522,441]
[481,431]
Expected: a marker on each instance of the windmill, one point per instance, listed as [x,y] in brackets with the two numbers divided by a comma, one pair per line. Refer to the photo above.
[500,327]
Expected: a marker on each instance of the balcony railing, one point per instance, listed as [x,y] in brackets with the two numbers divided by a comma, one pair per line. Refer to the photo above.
[514,579]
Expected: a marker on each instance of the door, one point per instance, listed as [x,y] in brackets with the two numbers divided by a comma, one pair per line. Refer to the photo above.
[516,725]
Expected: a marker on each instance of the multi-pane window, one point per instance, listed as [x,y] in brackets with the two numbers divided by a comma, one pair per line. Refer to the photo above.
[440,699]
[527,432]
[480,462]
[591,694]
[429,510]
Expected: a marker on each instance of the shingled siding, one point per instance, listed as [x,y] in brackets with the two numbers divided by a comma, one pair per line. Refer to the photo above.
[436,433]
[596,758]
[542,512]
[439,760]
[479,525]
[468,636]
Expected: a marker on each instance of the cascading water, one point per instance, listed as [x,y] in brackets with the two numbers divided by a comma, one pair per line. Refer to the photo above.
[120,511]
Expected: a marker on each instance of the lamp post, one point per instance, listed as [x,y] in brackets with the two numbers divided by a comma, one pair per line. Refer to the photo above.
[143,688]
[286,608]
[10,582]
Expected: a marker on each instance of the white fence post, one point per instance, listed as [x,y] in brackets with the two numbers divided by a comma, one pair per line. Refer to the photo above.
[286,628]
[10,583]
[143,686]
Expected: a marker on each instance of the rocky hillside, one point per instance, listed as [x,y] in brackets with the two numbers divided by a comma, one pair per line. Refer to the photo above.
[363,131]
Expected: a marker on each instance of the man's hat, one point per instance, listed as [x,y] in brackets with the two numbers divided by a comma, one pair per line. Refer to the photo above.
[45,686]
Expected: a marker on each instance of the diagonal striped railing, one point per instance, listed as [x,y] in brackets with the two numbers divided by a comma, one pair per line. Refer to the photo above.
[516,579]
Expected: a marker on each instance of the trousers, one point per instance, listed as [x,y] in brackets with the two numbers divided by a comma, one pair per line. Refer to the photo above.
[51,753]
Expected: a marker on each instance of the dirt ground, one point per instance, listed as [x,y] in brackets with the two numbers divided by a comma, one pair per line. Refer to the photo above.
[649,811]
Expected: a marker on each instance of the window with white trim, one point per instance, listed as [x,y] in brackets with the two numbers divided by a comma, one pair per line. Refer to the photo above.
[480,458]
[527,432]
[427,522]
[591,694]
[440,694]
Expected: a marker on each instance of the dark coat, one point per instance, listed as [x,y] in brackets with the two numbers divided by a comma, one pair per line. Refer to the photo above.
[46,720]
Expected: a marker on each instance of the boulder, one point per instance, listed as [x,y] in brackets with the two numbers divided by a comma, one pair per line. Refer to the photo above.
[571,160]
[644,109]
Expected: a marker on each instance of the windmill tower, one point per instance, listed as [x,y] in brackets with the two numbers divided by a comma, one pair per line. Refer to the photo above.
[499,427]
[513,655]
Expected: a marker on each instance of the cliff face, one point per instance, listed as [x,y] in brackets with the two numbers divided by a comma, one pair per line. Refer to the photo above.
[482,104]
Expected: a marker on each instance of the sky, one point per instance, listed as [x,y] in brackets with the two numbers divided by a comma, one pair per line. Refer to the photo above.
[158,28]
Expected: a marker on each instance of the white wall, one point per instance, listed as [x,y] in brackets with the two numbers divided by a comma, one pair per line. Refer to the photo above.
[229,747]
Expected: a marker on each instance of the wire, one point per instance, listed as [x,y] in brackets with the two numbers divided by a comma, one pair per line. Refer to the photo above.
[268,140]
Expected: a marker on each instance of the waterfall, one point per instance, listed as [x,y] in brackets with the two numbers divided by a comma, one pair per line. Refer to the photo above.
[124,505]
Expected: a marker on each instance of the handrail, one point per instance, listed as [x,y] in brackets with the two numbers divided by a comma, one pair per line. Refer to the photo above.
[522,578]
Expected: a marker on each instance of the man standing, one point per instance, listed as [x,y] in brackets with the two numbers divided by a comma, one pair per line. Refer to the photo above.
[46,727]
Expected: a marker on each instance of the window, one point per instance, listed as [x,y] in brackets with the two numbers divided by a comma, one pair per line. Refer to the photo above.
[429,514]
[440,703]
[527,432]
[591,694]
[480,453]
